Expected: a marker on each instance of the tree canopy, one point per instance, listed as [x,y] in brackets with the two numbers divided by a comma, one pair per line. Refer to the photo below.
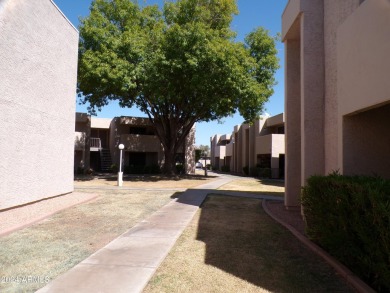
[179,65]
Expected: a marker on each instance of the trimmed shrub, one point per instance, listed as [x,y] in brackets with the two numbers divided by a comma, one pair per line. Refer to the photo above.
[265,172]
[254,172]
[155,169]
[114,168]
[179,168]
[208,166]
[349,216]
[149,169]
[225,169]
[246,170]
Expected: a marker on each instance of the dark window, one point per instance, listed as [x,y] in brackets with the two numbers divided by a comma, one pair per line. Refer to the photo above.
[280,130]
[264,161]
[137,130]
[142,130]
[137,159]
[281,165]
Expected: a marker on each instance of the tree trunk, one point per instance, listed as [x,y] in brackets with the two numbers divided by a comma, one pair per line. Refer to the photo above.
[169,163]
[172,134]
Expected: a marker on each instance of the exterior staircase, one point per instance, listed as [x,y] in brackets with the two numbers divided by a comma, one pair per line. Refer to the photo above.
[105,160]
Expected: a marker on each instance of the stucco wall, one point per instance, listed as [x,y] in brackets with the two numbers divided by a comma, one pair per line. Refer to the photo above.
[363,57]
[264,144]
[366,144]
[213,145]
[38,65]
[293,117]
[275,120]
[229,149]
[335,13]
[354,47]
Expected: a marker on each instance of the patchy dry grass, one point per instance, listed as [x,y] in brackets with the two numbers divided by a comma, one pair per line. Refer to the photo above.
[268,187]
[144,181]
[233,246]
[55,245]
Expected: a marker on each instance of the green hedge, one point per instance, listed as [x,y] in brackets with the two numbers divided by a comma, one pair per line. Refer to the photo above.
[349,216]
[245,170]
[225,169]
[149,169]
[179,168]
[260,172]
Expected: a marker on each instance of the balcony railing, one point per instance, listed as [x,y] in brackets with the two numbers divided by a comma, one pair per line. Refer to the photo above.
[95,143]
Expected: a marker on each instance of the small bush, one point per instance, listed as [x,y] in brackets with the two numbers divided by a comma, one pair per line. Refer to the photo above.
[179,168]
[265,172]
[254,172]
[208,166]
[155,169]
[114,168]
[147,170]
[133,169]
[246,170]
[349,216]
[127,169]
[225,169]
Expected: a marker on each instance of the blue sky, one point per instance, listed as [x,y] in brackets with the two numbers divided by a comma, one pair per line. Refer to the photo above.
[253,13]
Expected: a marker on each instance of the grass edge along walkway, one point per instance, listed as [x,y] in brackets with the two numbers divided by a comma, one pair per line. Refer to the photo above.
[227,249]
[127,263]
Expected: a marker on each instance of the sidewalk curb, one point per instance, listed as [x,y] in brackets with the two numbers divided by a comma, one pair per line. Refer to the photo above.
[342,270]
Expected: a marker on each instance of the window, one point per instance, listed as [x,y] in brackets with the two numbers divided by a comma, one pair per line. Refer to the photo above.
[137,130]
[142,130]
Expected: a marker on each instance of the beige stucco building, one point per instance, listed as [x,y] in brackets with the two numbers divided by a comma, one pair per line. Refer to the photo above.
[260,144]
[97,141]
[38,68]
[337,91]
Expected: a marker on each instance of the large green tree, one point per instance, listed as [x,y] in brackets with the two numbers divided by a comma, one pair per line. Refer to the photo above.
[179,65]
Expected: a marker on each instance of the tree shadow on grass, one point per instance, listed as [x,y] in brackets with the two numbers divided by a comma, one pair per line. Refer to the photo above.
[142,178]
[176,195]
[272,182]
[254,194]
[243,240]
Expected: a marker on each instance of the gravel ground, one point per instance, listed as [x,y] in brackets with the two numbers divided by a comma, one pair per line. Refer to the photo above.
[292,216]
[23,216]
[17,218]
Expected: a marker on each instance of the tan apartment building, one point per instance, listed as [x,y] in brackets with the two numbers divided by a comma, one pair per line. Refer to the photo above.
[256,145]
[38,69]
[337,93]
[141,144]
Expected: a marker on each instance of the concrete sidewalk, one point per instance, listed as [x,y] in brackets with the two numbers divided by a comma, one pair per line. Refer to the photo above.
[128,262]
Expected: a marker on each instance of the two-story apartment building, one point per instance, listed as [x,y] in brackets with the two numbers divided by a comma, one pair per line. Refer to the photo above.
[142,147]
[256,145]
[221,151]
[38,69]
[337,91]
